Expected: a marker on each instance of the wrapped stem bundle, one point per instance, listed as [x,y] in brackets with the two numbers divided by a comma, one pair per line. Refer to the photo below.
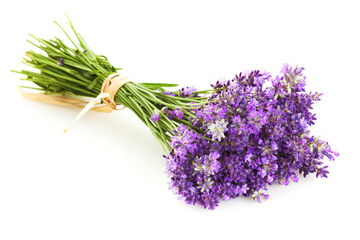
[78,71]
[233,140]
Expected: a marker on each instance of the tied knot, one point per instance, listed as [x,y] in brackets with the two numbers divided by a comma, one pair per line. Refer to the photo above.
[109,88]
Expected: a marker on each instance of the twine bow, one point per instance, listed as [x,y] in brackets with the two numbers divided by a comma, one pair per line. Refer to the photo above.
[108,91]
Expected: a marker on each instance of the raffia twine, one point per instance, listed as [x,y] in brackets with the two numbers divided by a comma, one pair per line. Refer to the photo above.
[109,88]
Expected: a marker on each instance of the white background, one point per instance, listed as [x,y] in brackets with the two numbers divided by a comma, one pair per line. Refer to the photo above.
[105,178]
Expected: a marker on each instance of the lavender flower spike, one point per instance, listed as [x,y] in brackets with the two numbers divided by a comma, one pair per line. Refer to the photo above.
[218,129]
[259,137]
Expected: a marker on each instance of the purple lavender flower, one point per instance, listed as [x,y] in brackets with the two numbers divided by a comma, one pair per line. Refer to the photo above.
[259,136]
[218,129]
[244,188]
[215,166]
[294,178]
[188,91]
[260,195]
[60,61]
[155,117]
[168,93]
[248,157]
[178,113]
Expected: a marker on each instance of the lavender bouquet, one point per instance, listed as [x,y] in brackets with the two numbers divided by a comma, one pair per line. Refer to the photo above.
[235,139]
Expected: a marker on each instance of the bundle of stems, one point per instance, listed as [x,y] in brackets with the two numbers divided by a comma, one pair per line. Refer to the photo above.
[78,71]
[234,140]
